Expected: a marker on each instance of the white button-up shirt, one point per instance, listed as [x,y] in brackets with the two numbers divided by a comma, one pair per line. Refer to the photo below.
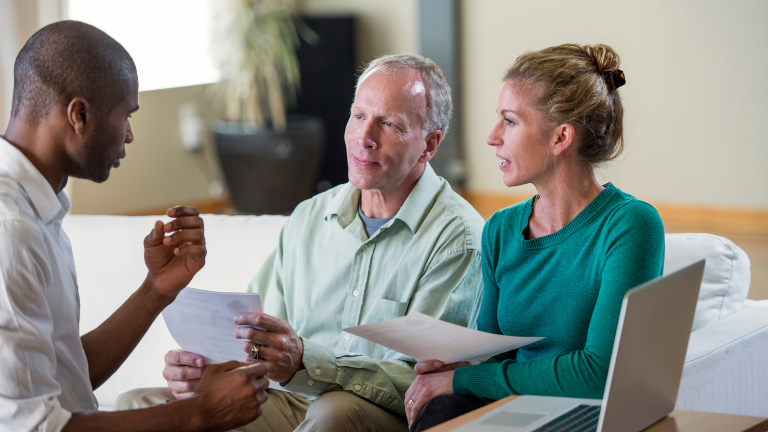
[43,368]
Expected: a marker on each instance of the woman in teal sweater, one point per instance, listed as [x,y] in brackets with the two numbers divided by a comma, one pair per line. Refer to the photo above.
[558,264]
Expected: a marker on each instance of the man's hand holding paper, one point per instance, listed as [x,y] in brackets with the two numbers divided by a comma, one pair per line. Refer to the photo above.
[278,344]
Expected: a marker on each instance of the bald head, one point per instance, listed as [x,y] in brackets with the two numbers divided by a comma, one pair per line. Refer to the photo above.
[65,60]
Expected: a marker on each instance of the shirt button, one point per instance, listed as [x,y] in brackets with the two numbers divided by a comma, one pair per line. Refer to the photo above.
[310,382]
[358,387]
[355,293]
[346,336]
[365,247]
[317,372]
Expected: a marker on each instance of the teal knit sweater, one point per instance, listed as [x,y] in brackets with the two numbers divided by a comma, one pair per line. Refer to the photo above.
[566,287]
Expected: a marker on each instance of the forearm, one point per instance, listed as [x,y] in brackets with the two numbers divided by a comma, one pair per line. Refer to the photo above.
[383,382]
[174,416]
[576,374]
[107,346]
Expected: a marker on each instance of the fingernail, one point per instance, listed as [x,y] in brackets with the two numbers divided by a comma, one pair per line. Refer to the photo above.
[438,364]
[238,319]
[167,227]
[198,362]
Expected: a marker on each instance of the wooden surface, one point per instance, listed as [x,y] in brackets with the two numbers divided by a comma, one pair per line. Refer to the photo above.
[678,421]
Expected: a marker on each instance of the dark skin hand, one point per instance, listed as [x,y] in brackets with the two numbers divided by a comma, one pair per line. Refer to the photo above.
[173,252]
[173,259]
[228,396]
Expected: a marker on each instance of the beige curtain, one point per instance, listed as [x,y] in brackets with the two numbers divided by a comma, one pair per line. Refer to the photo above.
[19,19]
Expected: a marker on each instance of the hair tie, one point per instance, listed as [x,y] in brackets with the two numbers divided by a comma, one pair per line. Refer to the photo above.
[614,78]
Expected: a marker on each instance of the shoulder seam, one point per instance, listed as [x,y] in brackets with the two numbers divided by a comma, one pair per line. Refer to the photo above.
[469,239]
[452,252]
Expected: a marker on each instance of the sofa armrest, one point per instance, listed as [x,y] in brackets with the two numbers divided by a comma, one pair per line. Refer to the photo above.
[725,367]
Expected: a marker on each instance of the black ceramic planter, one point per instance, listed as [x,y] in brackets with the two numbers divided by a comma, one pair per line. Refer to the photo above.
[269,172]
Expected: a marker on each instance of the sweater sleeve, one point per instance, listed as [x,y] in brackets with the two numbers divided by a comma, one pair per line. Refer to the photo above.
[487,320]
[633,253]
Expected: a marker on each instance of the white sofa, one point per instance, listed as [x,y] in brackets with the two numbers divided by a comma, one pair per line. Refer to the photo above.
[726,366]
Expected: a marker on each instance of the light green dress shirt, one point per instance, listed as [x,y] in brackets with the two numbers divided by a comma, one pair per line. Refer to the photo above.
[326,275]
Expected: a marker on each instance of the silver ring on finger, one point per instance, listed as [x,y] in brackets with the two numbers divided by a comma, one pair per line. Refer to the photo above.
[255,352]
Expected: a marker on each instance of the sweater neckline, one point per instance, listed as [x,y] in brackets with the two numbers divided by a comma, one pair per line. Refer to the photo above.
[558,236]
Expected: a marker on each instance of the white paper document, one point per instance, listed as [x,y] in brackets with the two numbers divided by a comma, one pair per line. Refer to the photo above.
[203,322]
[425,338]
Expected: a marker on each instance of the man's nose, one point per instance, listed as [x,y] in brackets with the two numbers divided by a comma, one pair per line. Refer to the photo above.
[368,135]
[129,134]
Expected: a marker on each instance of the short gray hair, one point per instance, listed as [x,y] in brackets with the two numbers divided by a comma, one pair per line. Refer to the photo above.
[438,92]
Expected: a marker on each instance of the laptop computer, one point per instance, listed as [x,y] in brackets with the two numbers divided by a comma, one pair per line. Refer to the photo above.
[644,374]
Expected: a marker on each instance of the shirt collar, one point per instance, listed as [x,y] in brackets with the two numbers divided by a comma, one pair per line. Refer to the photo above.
[47,203]
[412,213]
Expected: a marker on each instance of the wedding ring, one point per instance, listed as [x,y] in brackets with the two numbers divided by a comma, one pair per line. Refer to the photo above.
[410,401]
[255,353]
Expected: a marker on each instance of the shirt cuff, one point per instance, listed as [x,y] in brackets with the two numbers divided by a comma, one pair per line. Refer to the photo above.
[319,372]
[478,380]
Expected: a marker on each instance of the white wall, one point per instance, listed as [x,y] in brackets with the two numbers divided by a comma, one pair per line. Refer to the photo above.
[694,100]
[8,49]
[157,171]
[19,19]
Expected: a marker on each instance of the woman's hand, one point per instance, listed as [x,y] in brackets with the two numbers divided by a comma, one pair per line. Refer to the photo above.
[424,388]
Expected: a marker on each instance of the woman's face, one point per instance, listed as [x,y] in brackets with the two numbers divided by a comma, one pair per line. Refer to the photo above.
[519,136]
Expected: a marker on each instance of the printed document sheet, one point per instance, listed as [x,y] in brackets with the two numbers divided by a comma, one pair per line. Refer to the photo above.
[202,322]
[423,337]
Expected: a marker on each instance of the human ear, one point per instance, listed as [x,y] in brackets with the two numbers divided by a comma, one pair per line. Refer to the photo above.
[563,137]
[79,115]
[432,141]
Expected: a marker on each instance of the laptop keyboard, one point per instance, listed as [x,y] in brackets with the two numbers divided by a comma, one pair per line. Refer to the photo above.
[583,418]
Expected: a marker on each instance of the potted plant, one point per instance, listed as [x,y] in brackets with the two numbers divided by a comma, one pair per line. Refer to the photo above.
[270,160]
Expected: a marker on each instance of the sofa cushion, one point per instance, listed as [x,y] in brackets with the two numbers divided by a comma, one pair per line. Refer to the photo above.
[725,369]
[726,274]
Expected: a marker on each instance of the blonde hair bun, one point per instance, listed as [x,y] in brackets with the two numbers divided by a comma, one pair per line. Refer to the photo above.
[603,56]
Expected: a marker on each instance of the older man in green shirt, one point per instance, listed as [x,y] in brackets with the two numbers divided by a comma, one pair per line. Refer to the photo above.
[394,240]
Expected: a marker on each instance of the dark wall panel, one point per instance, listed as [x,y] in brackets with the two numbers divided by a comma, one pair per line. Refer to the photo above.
[328,88]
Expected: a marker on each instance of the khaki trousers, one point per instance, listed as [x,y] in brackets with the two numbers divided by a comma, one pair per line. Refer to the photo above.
[336,411]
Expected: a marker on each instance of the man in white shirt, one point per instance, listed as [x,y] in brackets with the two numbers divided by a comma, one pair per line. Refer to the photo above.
[74,91]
